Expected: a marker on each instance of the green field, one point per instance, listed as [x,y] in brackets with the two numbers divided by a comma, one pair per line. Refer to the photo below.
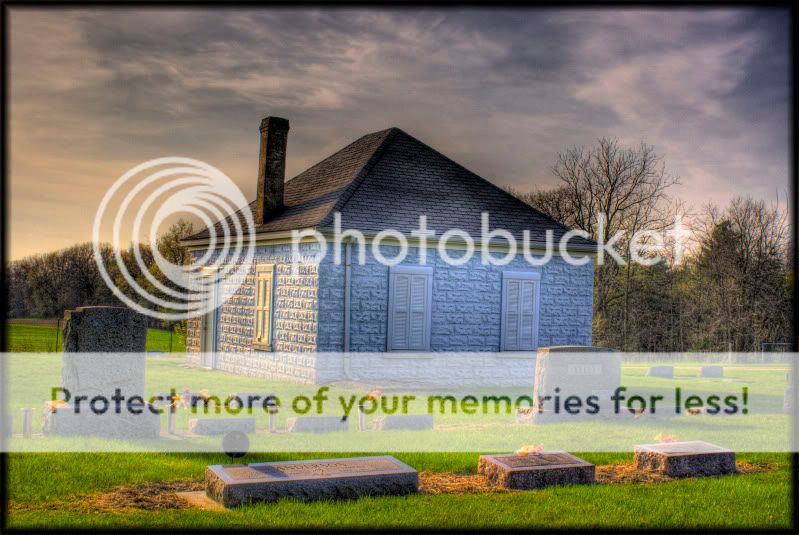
[58,497]
[47,339]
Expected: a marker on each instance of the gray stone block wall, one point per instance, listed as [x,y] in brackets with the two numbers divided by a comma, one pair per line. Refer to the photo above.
[466,305]
[295,304]
[466,316]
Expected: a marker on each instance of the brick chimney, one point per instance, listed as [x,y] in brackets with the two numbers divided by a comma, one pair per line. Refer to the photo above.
[271,167]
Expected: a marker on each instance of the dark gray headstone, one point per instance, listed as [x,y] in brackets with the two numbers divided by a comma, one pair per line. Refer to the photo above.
[104,329]
[536,471]
[682,459]
[322,479]
[103,354]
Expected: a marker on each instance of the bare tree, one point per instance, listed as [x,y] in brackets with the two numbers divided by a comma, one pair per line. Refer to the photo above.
[603,190]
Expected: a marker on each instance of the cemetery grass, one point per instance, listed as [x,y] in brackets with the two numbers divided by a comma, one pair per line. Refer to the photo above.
[42,338]
[67,481]
[756,500]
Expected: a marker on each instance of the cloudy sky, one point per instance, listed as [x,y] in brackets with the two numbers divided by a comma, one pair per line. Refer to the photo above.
[93,93]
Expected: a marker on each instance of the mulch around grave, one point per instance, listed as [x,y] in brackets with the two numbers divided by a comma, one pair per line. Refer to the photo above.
[611,474]
[160,496]
[155,496]
[455,483]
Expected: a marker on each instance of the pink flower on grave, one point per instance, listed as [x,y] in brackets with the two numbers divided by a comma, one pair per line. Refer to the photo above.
[374,394]
[663,437]
[530,450]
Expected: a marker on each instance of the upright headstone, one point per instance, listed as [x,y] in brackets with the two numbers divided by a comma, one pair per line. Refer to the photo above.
[272,418]
[579,372]
[8,428]
[104,356]
[27,422]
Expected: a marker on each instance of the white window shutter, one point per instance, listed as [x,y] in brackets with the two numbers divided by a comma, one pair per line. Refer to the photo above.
[417,337]
[409,313]
[526,317]
[520,311]
[401,312]
[512,316]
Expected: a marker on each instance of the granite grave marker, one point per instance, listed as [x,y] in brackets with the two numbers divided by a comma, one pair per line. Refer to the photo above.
[683,459]
[536,471]
[319,479]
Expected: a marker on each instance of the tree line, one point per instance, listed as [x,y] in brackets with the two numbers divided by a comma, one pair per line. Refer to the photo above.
[45,285]
[732,289]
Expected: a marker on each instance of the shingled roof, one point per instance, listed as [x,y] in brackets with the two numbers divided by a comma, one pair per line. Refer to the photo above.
[388,179]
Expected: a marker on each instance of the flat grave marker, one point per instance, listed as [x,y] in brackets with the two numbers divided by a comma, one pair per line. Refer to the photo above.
[685,459]
[403,421]
[665,372]
[221,426]
[318,479]
[260,401]
[536,471]
[711,371]
[316,424]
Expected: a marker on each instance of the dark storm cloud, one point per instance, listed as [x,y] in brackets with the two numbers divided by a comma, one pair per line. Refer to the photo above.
[501,91]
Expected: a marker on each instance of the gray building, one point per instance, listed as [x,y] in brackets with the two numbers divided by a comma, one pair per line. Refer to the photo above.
[451,319]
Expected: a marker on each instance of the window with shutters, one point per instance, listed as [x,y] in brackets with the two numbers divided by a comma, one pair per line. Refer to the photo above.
[520,311]
[410,294]
[263,306]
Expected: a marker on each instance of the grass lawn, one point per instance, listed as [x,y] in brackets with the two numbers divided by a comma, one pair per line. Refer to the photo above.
[758,500]
[46,339]
[68,481]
